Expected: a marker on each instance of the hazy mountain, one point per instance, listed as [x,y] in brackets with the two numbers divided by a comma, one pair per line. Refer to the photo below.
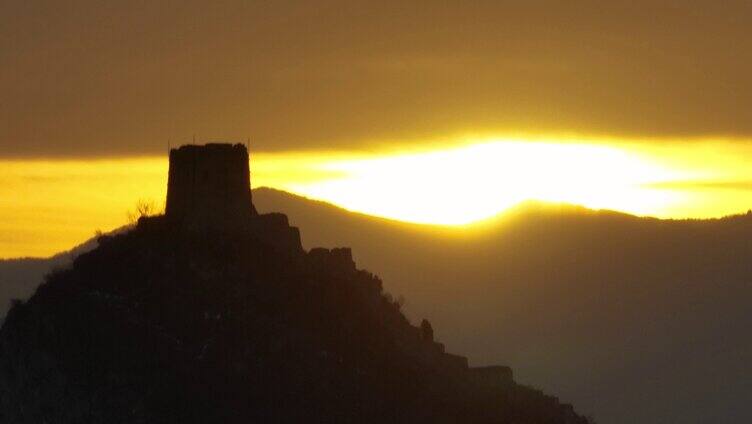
[631,319]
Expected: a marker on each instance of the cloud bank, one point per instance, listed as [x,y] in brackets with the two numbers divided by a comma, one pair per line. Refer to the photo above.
[115,78]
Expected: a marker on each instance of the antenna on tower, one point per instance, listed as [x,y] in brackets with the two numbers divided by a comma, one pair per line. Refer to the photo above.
[194,138]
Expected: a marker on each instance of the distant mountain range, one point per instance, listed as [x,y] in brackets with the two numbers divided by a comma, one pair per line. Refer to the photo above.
[630,319]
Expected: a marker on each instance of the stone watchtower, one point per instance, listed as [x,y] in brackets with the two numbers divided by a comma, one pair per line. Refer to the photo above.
[209,186]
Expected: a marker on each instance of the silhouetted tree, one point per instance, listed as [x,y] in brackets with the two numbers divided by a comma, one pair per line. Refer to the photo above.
[144,208]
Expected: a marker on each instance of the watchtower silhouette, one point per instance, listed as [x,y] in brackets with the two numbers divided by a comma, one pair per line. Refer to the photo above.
[209,186]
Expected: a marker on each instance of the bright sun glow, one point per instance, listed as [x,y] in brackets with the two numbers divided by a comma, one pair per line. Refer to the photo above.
[462,185]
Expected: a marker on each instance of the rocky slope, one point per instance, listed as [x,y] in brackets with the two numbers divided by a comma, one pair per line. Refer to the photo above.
[159,324]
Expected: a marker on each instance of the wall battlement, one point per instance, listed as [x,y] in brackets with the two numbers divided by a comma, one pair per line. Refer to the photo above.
[209,186]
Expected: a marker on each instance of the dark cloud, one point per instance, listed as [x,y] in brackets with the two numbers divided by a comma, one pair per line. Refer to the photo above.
[92,77]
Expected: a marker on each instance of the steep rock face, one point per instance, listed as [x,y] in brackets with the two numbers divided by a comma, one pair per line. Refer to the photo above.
[161,324]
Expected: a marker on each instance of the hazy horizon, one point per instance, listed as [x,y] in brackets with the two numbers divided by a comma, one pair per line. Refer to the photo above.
[49,205]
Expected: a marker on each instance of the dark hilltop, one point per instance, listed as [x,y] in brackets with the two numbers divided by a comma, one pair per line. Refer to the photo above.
[213,312]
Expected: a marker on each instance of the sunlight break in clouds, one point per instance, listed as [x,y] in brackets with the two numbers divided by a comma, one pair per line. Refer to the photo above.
[462,185]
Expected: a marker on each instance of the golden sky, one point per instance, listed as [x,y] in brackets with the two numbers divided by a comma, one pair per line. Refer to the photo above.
[47,206]
[639,106]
